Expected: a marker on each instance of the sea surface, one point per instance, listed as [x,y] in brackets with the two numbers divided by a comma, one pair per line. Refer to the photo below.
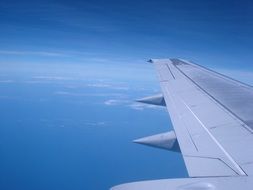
[61,130]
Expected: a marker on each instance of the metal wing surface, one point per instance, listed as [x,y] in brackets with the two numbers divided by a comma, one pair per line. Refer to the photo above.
[212,117]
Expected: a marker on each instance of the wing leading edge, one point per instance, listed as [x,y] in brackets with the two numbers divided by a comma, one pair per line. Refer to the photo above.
[211,116]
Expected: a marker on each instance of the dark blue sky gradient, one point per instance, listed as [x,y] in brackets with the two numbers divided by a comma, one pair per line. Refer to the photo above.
[210,32]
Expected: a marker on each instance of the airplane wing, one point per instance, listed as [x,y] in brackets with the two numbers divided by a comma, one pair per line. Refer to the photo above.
[212,117]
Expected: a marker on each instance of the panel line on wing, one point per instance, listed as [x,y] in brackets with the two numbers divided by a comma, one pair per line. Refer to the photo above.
[196,147]
[204,157]
[216,142]
[170,71]
[243,124]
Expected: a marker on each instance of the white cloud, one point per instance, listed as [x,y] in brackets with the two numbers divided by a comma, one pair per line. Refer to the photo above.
[48,79]
[70,93]
[96,124]
[53,78]
[66,93]
[110,86]
[6,81]
[131,104]
[113,102]
[36,81]
[141,106]
[120,88]
[38,53]
[99,85]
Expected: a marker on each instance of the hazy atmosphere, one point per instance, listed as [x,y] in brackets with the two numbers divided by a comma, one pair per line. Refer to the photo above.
[70,72]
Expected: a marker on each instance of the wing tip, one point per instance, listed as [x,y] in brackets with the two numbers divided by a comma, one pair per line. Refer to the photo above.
[160,60]
[150,61]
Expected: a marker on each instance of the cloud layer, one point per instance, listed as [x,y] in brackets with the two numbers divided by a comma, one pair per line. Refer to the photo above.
[130,104]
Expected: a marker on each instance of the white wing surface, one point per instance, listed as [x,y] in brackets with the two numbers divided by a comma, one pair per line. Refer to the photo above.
[212,116]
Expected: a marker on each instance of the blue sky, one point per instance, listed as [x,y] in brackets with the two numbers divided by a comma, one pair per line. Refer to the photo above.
[71,70]
[208,32]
